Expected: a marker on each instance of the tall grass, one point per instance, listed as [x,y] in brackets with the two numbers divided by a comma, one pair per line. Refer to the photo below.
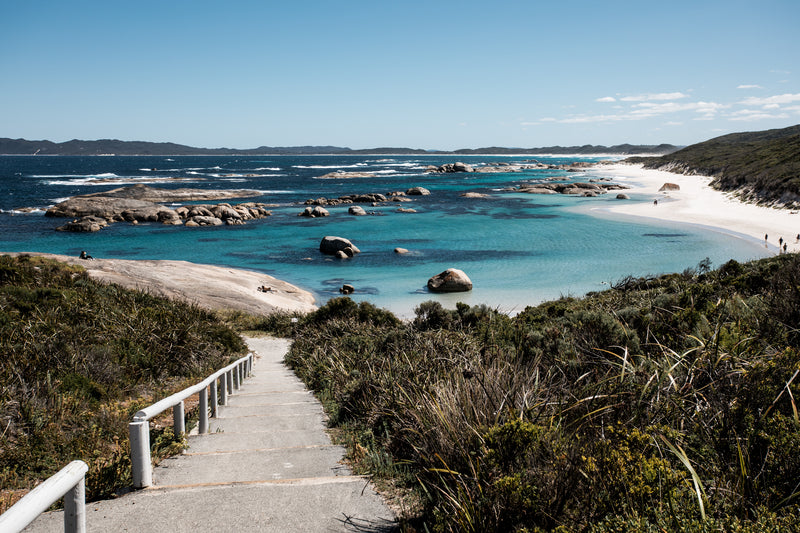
[664,404]
[77,359]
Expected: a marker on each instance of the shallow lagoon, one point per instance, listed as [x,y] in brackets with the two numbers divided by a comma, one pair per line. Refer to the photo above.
[518,249]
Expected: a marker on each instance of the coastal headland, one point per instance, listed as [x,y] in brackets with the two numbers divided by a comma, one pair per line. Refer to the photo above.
[207,286]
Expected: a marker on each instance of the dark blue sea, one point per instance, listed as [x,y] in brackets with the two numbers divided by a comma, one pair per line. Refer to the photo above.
[518,249]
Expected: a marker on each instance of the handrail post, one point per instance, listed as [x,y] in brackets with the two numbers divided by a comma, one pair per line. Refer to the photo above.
[75,508]
[141,468]
[240,370]
[178,420]
[202,423]
[229,381]
[214,398]
[235,373]
[223,389]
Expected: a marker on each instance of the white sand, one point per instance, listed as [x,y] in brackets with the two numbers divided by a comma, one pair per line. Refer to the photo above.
[207,286]
[697,203]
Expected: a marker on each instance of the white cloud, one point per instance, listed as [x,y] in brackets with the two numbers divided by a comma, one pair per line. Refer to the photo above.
[776,100]
[749,87]
[671,123]
[607,99]
[751,115]
[655,96]
[648,109]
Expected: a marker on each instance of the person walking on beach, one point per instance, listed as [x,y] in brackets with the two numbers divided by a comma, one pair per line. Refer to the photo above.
[780,242]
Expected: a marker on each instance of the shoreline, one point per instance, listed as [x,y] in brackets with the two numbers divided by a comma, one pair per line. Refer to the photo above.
[698,204]
[208,286]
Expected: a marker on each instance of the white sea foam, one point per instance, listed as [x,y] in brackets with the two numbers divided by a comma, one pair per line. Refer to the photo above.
[25,211]
[119,180]
[330,166]
[267,168]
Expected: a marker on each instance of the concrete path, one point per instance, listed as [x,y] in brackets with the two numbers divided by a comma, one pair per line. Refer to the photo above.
[266,465]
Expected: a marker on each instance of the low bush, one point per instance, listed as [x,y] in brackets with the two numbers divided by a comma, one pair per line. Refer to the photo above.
[667,404]
[77,359]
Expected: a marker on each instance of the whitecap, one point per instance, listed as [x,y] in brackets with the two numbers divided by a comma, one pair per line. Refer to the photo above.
[330,166]
[267,168]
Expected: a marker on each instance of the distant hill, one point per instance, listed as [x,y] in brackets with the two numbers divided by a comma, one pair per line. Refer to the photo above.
[116,147]
[761,166]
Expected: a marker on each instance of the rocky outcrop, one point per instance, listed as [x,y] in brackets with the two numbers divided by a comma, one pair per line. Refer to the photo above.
[341,174]
[347,289]
[400,251]
[669,187]
[356,210]
[574,188]
[136,204]
[157,195]
[314,212]
[418,191]
[474,195]
[449,168]
[369,198]
[84,224]
[331,245]
[451,280]
[623,196]
[406,210]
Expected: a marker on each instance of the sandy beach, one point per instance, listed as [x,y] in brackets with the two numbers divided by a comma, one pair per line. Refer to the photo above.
[697,203]
[208,286]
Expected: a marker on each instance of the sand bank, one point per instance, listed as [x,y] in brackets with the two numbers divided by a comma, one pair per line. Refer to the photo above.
[207,286]
[697,203]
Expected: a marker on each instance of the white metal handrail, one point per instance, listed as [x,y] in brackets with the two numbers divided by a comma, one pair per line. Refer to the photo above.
[230,379]
[68,482]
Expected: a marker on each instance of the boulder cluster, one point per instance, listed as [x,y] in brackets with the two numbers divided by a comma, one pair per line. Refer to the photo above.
[506,167]
[574,188]
[314,207]
[140,204]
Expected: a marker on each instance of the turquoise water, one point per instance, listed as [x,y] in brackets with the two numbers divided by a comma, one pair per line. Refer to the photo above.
[517,249]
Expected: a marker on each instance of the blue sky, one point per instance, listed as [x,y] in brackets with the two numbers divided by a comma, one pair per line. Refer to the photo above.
[422,74]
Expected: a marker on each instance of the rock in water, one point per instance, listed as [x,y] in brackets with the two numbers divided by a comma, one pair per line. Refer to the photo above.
[451,280]
[330,245]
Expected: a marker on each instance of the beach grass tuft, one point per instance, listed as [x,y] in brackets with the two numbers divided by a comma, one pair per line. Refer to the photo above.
[663,404]
[77,359]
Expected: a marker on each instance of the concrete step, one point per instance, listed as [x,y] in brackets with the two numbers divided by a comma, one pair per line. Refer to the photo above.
[261,423]
[251,465]
[227,442]
[341,504]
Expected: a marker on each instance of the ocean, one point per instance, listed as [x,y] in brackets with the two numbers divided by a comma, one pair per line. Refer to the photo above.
[518,249]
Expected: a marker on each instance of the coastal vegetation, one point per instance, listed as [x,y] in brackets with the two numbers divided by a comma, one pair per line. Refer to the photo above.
[77,359]
[662,404]
[761,167]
